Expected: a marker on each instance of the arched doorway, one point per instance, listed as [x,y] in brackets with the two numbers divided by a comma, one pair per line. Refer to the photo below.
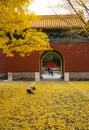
[51,66]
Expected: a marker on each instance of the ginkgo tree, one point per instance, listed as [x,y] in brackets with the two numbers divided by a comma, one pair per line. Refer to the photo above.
[16,34]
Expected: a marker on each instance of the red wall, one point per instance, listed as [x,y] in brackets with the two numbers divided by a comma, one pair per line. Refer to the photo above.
[75,59]
[24,64]
[3,63]
[75,56]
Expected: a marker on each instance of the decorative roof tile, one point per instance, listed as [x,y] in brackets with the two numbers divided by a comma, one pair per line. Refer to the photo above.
[57,21]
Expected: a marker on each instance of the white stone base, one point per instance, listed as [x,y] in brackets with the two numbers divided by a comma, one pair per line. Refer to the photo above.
[79,76]
[37,76]
[10,78]
[66,76]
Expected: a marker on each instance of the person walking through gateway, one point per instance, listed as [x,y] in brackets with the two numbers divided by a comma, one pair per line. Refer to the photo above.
[51,71]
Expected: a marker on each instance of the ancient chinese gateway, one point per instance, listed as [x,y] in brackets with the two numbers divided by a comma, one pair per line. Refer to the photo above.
[69,57]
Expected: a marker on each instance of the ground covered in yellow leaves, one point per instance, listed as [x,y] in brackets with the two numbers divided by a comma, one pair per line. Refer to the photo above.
[53,106]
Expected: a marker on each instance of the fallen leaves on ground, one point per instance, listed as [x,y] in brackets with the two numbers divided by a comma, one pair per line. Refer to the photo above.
[53,106]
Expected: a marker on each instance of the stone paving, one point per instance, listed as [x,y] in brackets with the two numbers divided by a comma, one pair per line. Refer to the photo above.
[55,76]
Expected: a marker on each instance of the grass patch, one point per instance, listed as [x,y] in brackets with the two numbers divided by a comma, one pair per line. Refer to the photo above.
[53,106]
